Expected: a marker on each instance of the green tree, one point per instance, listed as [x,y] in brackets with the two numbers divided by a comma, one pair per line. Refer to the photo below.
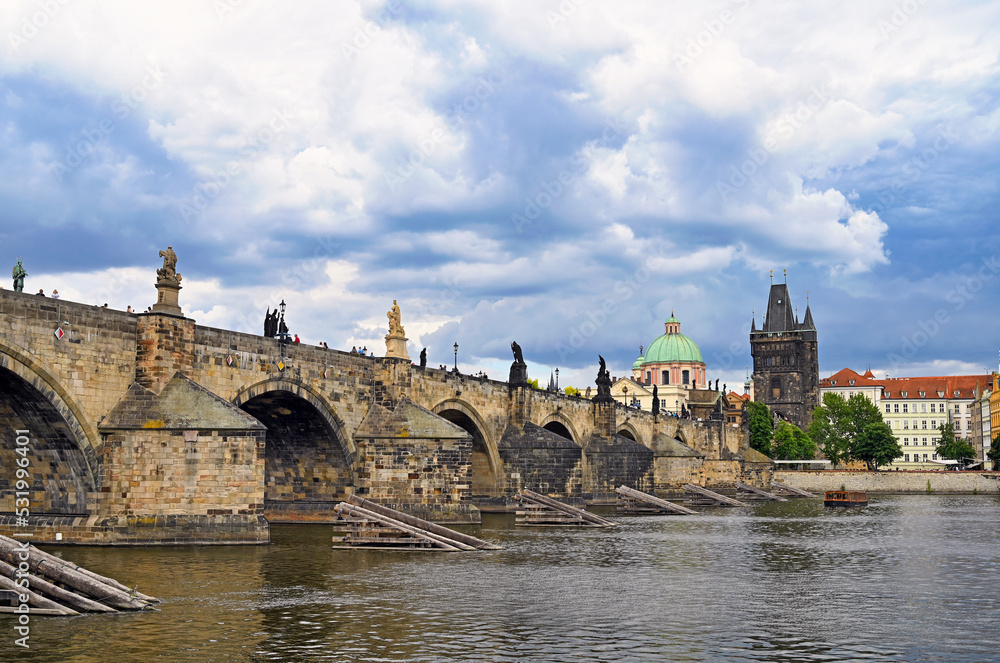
[838,425]
[954,448]
[994,452]
[571,391]
[533,383]
[761,426]
[791,443]
[876,445]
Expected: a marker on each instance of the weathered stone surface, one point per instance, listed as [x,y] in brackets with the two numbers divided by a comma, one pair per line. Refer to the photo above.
[313,402]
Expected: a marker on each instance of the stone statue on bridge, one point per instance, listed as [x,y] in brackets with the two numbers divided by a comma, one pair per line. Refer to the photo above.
[19,274]
[395,340]
[395,321]
[169,270]
[518,369]
[603,383]
[423,358]
[656,402]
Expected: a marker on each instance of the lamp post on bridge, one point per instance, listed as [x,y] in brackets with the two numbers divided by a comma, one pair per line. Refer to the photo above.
[456,357]
[557,379]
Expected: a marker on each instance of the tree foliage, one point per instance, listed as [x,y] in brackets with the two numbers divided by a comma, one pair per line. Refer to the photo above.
[954,448]
[571,391]
[841,428]
[791,443]
[876,445]
[994,452]
[533,384]
[761,426]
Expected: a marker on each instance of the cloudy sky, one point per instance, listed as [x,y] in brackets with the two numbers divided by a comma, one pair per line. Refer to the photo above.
[563,174]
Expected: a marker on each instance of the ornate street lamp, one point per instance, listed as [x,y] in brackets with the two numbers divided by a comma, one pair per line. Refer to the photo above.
[456,356]
[557,379]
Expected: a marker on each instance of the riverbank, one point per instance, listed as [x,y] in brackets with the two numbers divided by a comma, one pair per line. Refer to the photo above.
[916,481]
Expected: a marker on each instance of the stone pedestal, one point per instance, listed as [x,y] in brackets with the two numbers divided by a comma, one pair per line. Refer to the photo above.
[395,346]
[167,291]
[518,374]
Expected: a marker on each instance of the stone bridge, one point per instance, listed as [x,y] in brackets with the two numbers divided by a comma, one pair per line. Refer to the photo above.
[138,428]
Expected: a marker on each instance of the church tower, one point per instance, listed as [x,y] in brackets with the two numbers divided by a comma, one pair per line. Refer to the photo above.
[785,359]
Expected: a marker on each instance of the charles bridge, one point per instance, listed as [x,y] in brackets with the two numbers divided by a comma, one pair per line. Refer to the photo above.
[148,428]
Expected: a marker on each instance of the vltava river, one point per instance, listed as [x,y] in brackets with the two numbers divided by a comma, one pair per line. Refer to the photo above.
[910,578]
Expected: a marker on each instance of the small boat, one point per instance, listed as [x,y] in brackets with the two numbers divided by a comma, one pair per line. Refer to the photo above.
[845,498]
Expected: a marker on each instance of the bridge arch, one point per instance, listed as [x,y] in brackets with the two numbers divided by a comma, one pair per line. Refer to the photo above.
[62,449]
[309,459]
[626,429]
[486,465]
[560,424]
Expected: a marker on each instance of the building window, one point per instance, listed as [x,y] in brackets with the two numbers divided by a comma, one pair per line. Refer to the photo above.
[906,441]
[776,387]
[933,405]
[665,377]
[887,406]
[923,423]
[933,456]
[923,407]
[906,407]
[685,376]
[925,442]
[925,458]
[895,408]
[958,408]
[649,377]
[906,424]
[906,458]
[968,424]
[903,393]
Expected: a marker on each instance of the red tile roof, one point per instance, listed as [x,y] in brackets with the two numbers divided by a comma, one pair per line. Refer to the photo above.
[893,388]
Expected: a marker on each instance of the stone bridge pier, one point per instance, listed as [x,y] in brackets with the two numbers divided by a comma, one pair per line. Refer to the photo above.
[128,428]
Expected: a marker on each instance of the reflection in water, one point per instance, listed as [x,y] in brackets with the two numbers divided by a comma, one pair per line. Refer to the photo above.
[907,579]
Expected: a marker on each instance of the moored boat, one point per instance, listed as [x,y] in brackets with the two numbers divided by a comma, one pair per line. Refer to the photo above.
[845,498]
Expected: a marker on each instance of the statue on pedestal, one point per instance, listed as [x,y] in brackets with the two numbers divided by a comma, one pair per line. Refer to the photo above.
[395,340]
[603,383]
[656,402]
[169,270]
[19,274]
[395,324]
[518,369]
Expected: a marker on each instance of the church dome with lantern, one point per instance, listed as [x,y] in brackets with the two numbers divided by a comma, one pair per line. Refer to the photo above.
[671,359]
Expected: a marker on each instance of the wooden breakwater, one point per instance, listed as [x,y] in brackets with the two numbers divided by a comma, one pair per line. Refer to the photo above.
[51,585]
[538,510]
[634,501]
[362,523]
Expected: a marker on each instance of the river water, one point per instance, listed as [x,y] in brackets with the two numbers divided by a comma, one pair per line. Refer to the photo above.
[910,578]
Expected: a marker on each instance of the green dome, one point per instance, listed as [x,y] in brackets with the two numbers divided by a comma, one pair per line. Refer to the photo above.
[670,348]
[637,363]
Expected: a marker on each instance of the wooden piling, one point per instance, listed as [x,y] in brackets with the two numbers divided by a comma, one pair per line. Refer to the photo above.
[635,501]
[760,493]
[64,582]
[554,512]
[422,524]
[713,496]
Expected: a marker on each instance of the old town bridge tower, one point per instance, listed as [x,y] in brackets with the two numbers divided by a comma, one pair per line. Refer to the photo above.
[785,360]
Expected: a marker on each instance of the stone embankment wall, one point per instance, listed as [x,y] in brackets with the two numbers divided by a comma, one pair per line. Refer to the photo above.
[892,482]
